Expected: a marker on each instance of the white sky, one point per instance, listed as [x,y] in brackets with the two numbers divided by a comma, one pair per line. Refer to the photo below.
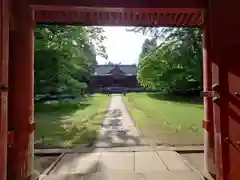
[122,46]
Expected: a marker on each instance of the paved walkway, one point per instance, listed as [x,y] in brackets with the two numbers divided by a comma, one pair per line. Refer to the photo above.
[148,165]
[118,130]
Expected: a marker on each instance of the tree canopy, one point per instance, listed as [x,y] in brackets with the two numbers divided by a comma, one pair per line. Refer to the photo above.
[65,57]
[171,60]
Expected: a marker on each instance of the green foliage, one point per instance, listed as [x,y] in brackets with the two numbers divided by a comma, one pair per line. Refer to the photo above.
[176,64]
[165,119]
[69,123]
[65,56]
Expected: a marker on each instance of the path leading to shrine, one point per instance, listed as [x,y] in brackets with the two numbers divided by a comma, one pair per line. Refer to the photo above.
[118,128]
[125,162]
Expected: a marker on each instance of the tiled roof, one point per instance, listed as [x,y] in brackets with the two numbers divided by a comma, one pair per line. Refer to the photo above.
[104,69]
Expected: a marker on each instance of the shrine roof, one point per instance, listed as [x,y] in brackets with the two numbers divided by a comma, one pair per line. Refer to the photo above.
[105,69]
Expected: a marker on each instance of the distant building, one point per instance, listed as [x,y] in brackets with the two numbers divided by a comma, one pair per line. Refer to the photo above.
[115,77]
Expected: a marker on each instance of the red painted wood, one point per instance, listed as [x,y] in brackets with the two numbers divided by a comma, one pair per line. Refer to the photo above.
[224,28]
[206,125]
[4,24]
[225,46]
[21,92]
[116,9]
[209,159]
[119,16]
[125,3]
[233,127]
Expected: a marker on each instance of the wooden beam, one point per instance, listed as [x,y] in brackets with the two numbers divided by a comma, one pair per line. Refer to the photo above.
[224,25]
[21,92]
[4,38]
[118,16]
[125,3]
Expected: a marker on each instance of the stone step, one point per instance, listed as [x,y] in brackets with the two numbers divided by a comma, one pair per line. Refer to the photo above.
[173,175]
[128,175]
[95,176]
[75,163]
[145,161]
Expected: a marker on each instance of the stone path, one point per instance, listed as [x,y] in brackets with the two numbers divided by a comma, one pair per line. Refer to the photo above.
[118,130]
[148,165]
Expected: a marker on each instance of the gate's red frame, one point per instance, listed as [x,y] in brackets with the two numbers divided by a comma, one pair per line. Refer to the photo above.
[222,53]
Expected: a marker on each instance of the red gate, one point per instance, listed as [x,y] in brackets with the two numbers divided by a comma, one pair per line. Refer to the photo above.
[224,50]
[224,27]
[3,85]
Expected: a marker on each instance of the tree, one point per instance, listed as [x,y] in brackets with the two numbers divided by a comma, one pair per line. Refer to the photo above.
[65,56]
[148,46]
[175,65]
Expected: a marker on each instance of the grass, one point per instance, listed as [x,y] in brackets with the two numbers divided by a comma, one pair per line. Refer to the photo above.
[69,123]
[166,120]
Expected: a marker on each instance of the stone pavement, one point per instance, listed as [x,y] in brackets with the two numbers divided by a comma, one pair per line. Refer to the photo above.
[118,129]
[100,165]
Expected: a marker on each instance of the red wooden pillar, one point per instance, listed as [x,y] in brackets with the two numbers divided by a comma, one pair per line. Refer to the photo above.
[4,25]
[208,104]
[21,90]
[224,27]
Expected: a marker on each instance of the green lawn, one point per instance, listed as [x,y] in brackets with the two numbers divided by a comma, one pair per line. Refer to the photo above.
[69,123]
[163,120]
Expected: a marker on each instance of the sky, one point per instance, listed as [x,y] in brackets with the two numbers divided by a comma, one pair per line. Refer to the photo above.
[122,46]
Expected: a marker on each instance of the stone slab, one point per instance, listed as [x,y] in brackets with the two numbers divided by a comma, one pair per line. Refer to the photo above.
[171,175]
[95,176]
[148,162]
[192,149]
[126,175]
[117,161]
[173,161]
[77,164]
[120,175]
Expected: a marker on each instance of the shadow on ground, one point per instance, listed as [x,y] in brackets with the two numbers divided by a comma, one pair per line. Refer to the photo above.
[61,107]
[167,120]
[42,163]
[57,126]
[112,128]
[178,99]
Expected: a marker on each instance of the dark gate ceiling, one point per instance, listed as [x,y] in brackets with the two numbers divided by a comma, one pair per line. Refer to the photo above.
[124,3]
[177,13]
